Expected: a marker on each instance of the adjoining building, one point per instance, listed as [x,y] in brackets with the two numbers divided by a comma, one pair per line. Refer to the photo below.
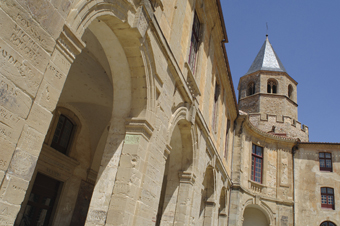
[123,112]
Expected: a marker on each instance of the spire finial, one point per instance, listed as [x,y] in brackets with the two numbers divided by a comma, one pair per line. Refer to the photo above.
[267,30]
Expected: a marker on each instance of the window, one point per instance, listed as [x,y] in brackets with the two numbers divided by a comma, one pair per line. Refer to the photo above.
[327,198]
[327,223]
[62,135]
[194,43]
[272,86]
[251,89]
[290,91]
[325,160]
[256,163]
[215,109]
[41,202]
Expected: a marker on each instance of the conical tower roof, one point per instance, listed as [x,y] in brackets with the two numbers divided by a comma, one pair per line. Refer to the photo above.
[266,60]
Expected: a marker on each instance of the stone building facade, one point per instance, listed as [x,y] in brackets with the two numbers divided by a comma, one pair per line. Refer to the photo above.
[123,112]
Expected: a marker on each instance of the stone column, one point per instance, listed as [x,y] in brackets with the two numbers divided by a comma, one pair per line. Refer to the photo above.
[131,168]
[185,198]
[222,218]
[209,213]
[102,193]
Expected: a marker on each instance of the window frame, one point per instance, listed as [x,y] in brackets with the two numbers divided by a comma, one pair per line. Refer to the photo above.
[56,145]
[272,86]
[328,195]
[194,43]
[327,223]
[325,168]
[254,157]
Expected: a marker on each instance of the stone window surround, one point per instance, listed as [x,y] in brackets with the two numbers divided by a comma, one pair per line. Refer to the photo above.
[76,128]
[328,195]
[264,166]
[253,177]
[272,85]
[326,169]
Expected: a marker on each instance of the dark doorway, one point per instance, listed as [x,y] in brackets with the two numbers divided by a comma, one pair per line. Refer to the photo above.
[41,201]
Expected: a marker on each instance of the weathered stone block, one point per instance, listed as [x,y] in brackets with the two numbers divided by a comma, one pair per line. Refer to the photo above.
[6,152]
[39,118]
[13,98]
[22,165]
[19,70]
[13,190]
[31,141]
[19,40]
[48,96]
[26,22]
[8,213]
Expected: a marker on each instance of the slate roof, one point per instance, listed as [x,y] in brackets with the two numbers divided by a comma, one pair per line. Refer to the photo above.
[266,60]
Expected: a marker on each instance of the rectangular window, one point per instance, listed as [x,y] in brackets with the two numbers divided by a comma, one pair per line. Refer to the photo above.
[257,163]
[194,43]
[325,160]
[62,134]
[327,198]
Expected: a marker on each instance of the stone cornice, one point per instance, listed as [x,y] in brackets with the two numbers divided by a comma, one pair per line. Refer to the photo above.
[139,126]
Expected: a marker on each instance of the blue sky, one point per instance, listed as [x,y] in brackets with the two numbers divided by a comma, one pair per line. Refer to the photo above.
[306,37]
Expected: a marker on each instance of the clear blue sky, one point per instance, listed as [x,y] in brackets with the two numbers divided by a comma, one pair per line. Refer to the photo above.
[306,37]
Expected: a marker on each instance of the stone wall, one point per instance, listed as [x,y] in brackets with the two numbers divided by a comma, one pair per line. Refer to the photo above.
[308,182]
[120,75]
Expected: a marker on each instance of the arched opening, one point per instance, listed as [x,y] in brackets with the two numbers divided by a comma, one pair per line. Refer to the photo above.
[272,86]
[254,216]
[98,90]
[251,89]
[206,214]
[327,223]
[178,162]
[290,91]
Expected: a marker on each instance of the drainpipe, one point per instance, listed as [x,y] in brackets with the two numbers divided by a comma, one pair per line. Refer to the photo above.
[294,149]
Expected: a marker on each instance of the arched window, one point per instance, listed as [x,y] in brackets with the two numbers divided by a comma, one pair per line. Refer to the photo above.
[290,91]
[272,86]
[62,134]
[251,89]
[327,223]
[327,198]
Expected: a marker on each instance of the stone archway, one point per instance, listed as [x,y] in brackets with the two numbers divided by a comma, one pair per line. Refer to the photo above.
[174,205]
[253,215]
[113,26]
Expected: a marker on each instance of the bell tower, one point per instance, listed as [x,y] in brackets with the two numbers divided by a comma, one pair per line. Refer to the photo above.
[268,94]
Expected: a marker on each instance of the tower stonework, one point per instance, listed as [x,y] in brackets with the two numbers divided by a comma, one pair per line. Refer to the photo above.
[269,95]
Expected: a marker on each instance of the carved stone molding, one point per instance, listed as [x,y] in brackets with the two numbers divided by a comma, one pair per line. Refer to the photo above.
[187,177]
[56,164]
[191,82]
[139,126]
[69,44]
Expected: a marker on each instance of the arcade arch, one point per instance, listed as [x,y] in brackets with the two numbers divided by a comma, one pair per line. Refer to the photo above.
[254,216]
[178,178]
[102,92]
